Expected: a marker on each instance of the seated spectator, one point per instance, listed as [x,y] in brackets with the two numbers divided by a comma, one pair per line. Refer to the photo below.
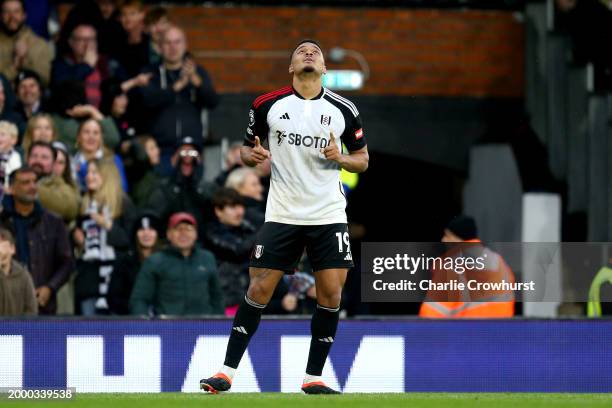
[181,279]
[40,128]
[146,241]
[461,239]
[90,146]
[83,63]
[17,295]
[156,24]
[71,109]
[183,191]
[41,238]
[62,166]
[7,112]
[20,48]
[152,149]
[10,159]
[54,193]
[100,235]
[246,182]
[29,94]
[231,239]
[176,95]
[294,294]
[133,51]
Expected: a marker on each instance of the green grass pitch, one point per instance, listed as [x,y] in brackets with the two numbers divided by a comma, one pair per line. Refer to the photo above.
[273,400]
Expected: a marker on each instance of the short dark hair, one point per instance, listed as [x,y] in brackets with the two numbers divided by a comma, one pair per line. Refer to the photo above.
[27,74]
[20,170]
[464,227]
[6,235]
[305,40]
[155,14]
[226,196]
[45,145]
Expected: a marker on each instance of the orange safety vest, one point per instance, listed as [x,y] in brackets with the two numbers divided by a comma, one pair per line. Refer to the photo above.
[471,304]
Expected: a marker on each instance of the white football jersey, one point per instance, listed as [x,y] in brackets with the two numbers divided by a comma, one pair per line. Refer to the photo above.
[305,188]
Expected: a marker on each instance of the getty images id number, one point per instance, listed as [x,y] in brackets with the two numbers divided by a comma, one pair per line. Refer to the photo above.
[38,394]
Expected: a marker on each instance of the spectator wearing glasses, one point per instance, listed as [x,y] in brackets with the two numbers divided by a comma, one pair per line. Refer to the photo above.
[83,63]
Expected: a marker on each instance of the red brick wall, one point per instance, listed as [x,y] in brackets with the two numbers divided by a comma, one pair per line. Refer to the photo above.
[410,52]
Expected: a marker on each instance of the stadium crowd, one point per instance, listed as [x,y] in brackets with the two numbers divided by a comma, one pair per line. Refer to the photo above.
[104,207]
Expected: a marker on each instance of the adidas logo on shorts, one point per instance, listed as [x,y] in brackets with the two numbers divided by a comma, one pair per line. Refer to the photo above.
[240,329]
[348,257]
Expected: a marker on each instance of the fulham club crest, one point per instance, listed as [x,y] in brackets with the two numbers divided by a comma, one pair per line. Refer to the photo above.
[326,120]
[258,251]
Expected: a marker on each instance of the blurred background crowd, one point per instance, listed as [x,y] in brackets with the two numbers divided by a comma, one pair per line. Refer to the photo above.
[121,184]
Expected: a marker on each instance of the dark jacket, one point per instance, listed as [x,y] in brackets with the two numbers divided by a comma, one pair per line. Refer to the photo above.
[177,114]
[254,211]
[122,282]
[177,285]
[232,247]
[65,69]
[182,194]
[17,297]
[50,254]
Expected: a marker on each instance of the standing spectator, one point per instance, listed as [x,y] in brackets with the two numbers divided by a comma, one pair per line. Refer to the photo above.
[17,295]
[231,239]
[54,193]
[91,146]
[145,176]
[100,235]
[181,279]
[19,47]
[101,14]
[29,94]
[10,159]
[176,95]
[156,23]
[146,241]
[40,128]
[133,51]
[85,64]
[41,238]
[246,182]
[183,191]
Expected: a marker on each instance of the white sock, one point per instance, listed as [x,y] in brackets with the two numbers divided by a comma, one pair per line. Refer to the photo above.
[311,378]
[229,371]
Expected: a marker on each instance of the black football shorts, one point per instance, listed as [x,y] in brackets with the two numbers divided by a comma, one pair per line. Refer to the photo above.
[280,246]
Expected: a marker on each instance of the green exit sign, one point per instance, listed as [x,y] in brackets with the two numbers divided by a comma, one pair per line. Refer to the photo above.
[343,80]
